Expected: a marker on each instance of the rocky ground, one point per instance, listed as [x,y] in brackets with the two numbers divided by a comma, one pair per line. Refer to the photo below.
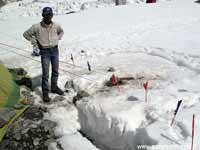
[30,131]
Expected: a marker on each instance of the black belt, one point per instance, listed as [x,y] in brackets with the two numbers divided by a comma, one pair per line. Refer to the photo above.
[49,48]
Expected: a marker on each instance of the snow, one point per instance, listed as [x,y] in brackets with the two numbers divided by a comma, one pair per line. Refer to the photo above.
[158,43]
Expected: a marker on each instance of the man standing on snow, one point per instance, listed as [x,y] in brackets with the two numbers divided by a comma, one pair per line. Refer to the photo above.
[44,37]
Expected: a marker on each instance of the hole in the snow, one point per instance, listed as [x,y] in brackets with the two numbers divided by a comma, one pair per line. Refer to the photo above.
[132,98]
[182,90]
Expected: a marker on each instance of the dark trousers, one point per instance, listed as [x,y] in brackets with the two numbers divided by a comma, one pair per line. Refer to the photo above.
[49,55]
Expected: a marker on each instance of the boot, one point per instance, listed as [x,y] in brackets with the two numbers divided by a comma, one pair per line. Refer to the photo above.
[57,90]
[46,97]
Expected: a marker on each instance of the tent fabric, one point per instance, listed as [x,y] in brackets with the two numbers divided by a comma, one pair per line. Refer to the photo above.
[9,90]
[9,96]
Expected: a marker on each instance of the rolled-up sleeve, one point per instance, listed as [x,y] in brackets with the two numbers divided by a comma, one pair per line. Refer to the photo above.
[60,32]
[30,35]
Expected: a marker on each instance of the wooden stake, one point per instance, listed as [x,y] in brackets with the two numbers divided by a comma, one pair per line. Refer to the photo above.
[89,67]
[72,58]
[173,120]
[176,111]
[146,91]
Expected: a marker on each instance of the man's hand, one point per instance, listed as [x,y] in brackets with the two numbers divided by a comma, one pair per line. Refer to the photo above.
[36,52]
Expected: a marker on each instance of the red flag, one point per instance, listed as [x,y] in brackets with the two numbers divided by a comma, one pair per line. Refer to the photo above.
[114,80]
[193,123]
[145,85]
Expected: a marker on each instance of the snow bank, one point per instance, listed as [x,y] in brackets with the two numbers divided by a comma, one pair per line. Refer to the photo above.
[115,120]
[119,119]
[67,128]
[114,129]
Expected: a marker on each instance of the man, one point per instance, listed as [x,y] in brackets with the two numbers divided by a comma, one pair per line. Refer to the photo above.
[44,37]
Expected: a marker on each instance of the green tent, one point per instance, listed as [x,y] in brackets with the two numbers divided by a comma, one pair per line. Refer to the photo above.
[9,90]
[9,96]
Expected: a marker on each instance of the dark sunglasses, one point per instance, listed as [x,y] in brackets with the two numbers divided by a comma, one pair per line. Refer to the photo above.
[47,14]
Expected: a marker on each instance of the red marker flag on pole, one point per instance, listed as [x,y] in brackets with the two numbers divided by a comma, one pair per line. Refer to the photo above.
[113,80]
[176,111]
[145,85]
[193,125]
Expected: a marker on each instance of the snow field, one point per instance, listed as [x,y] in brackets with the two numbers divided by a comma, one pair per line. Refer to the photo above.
[158,43]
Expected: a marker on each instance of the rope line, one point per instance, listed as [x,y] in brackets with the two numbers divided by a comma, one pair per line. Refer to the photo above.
[40,62]
[10,36]
[77,66]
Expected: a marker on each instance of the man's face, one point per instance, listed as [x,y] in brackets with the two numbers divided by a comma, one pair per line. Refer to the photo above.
[47,17]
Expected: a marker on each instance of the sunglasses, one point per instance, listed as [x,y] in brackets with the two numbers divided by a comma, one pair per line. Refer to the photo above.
[47,14]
